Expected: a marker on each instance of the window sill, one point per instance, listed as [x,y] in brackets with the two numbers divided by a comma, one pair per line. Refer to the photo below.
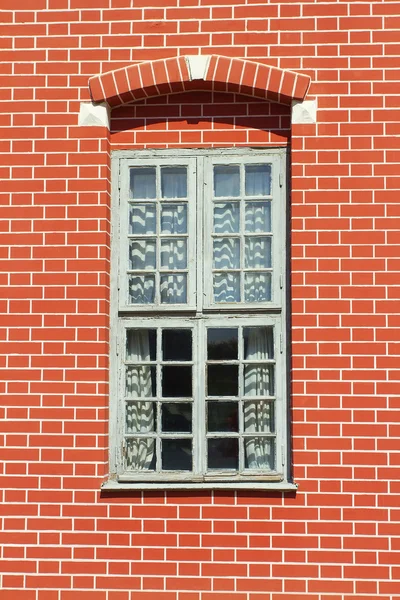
[268,486]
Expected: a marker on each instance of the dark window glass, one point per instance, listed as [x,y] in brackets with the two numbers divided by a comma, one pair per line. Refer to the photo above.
[222,344]
[223,416]
[177,344]
[223,453]
[176,382]
[176,417]
[222,380]
[177,455]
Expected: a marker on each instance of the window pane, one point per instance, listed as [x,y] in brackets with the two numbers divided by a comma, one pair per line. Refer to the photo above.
[257,252]
[142,254]
[140,417]
[226,253]
[176,417]
[257,287]
[258,343]
[174,254]
[176,382]
[177,455]
[177,344]
[140,454]
[258,380]
[174,182]
[222,380]
[140,381]
[227,217]
[259,453]
[222,343]
[259,417]
[141,345]
[143,182]
[223,453]
[142,219]
[173,218]
[258,180]
[227,180]
[226,287]
[173,289]
[222,416]
[141,289]
[258,217]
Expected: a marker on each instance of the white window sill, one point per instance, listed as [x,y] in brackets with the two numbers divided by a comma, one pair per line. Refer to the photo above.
[271,486]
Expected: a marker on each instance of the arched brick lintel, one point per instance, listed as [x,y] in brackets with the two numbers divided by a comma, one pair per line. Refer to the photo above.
[187,73]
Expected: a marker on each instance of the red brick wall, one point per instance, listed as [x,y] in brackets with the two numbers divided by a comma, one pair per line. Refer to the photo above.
[338,537]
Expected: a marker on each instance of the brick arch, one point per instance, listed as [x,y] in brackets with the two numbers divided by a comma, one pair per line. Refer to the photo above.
[187,73]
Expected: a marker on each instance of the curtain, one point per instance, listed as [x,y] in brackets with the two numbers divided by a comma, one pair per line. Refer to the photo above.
[140,413]
[226,181]
[258,415]
[257,217]
[174,182]
[257,180]
[227,217]
[143,182]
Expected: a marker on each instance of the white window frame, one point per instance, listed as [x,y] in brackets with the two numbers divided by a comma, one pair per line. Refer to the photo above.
[201,312]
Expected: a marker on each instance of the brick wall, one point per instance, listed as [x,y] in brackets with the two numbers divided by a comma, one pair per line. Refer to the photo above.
[338,537]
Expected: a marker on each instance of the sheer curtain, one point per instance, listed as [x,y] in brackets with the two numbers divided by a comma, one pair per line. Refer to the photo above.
[174,250]
[258,415]
[139,414]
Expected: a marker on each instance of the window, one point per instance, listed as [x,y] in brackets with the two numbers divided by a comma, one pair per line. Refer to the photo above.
[198,364]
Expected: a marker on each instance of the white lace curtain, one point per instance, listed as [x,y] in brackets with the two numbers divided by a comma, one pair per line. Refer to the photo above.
[173,222]
[258,415]
[139,413]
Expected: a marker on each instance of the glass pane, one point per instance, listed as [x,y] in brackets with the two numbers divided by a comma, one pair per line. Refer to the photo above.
[258,343]
[222,344]
[173,289]
[142,219]
[258,380]
[143,182]
[227,217]
[141,345]
[141,289]
[176,417]
[174,182]
[226,253]
[226,287]
[259,453]
[176,455]
[177,344]
[140,454]
[223,453]
[226,180]
[140,381]
[174,254]
[257,287]
[142,254]
[257,253]
[222,380]
[223,416]
[176,382]
[173,218]
[259,417]
[258,217]
[257,180]
[140,417]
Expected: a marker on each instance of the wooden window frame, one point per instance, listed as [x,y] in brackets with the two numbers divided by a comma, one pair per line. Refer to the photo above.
[199,313]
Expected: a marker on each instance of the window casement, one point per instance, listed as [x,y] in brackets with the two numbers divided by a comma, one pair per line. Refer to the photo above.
[198,352]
